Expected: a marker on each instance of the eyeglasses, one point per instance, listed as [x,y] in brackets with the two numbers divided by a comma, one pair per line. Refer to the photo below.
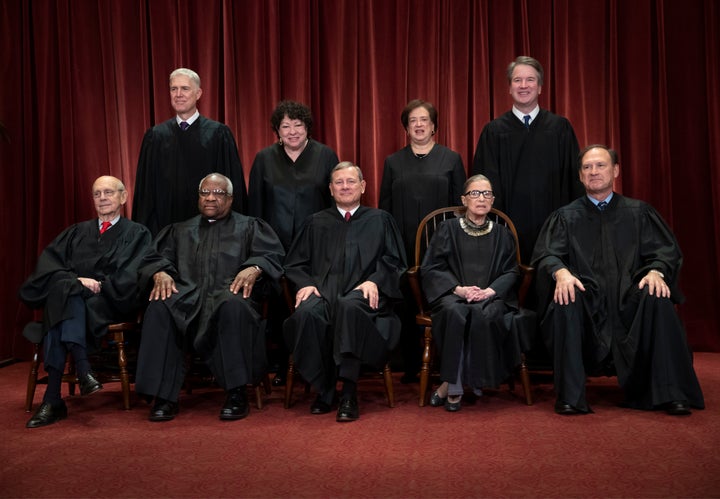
[219,193]
[107,193]
[477,194]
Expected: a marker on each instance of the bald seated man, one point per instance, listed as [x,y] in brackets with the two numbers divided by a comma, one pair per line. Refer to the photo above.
[85,280]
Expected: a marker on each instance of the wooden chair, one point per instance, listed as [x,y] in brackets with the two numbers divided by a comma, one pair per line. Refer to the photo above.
[425,231]
[198,374]
[114,341]
[386,373]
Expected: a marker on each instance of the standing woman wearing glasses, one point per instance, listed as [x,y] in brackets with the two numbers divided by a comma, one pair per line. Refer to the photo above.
[469,276]
[419,178]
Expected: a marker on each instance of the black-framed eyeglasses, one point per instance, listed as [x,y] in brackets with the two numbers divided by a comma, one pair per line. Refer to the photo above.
[219,193]
[477,194]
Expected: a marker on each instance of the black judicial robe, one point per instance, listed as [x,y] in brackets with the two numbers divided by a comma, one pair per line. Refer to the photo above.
[284,193]
[610,252]
[369,248]
[81,251]
[171,165]
[203,258]
[412,187]
[492,345]
[533,172]
[336,256]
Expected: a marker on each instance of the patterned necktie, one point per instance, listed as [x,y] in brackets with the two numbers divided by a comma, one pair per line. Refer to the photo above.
[184,126]
[602,205]
[347,216]
[526,119]
[105,226]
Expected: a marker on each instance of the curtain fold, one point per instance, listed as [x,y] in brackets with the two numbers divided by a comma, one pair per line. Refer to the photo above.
[84,79]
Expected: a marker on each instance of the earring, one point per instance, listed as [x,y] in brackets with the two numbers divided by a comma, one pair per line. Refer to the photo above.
[280,142]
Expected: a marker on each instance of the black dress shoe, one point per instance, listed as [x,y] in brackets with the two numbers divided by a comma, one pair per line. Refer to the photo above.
[320,406]
[47,414]
[678,408]
[163,410]
[89,384]
[278,380]
[436,400]
[236,405]
[348,410]
[565,409]
[452,406]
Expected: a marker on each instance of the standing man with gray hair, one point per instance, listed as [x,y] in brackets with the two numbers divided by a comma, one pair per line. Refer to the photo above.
[529,155]
[177,154]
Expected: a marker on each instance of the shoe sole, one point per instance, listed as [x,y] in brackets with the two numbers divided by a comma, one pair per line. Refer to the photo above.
[233,417]
[96,388]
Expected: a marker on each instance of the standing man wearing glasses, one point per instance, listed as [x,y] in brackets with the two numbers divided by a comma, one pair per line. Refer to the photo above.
[529,155]
[608,270]
[203,274]
[85,280]
[176,154]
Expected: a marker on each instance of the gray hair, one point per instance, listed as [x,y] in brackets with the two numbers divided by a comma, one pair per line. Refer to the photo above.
[347,164]
[228,182]
[194,77]
[476,178]
[527,61]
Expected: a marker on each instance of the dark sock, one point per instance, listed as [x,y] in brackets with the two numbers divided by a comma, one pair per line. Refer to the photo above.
[79,353]
[349,389]
[52,393]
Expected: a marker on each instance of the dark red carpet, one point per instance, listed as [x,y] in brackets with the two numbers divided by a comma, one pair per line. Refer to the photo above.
[496,447]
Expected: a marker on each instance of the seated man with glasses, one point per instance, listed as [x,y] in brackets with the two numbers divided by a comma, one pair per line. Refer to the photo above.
[607,271]
[204,298]
[85,280]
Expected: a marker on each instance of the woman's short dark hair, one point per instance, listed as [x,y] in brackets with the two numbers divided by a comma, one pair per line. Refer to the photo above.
[414,104]
[293,110]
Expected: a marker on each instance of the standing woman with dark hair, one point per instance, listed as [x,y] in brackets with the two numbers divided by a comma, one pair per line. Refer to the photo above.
[288,183]
[418,179]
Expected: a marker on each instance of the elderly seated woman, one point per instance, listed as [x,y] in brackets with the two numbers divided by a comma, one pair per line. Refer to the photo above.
[470,277]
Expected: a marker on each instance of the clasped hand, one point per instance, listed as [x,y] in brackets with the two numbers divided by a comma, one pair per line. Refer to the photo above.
[474,293]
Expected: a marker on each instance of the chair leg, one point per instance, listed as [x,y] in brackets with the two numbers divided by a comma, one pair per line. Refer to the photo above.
[267,384]
[425,369]
[525,379]
[258,396]
[389,391]
[32,378]
[119,338]
[289,382]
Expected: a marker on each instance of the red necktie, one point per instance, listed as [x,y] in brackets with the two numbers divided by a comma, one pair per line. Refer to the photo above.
[105,226]
[347,216]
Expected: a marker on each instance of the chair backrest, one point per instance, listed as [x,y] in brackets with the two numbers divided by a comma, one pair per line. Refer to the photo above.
[430,223]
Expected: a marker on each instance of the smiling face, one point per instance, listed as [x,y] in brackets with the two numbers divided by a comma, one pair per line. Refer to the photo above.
[598,173]
[420,127]
[109,195]
[214,202]
[525,87]
[346,188]
[477,207]
[184,94]
[293,133]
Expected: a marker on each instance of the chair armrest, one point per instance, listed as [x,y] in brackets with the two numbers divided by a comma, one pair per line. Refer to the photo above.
[413,276]
[528,273]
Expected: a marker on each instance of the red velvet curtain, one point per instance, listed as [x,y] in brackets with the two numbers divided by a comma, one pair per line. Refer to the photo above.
[83,80]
